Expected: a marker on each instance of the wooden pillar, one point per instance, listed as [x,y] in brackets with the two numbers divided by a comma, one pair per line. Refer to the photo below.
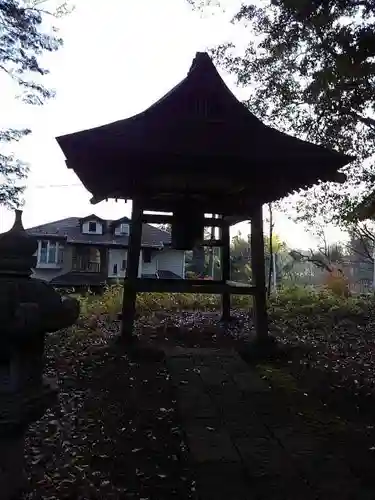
[259,274]
[225,270]
[130,293]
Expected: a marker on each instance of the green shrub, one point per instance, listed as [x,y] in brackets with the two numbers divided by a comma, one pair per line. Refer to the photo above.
[307,301]
[110,302]
[310,301]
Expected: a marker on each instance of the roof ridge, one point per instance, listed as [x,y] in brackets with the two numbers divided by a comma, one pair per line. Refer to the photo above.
[202,60]
[70,228]
[51,222]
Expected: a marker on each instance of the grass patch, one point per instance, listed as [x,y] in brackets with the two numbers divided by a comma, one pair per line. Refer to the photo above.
[291,303]
[312,412]
[110,302]
[278,377]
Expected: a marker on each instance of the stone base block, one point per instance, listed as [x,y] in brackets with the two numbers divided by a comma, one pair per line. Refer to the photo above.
[13,479]
[19,410]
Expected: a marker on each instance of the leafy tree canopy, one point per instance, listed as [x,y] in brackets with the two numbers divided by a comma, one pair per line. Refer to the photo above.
[310,68]
[26,33]
[240,254]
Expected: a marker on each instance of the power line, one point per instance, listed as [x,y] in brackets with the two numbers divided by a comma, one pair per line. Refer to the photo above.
[48,186]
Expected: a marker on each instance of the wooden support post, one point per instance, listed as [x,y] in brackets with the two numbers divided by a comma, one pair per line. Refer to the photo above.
[225,270]
[259,275]
[130,293]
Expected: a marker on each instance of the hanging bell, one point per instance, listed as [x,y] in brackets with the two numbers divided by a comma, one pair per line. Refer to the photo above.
[187,228]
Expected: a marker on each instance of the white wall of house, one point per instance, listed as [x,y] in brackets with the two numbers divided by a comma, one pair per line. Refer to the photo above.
[87,229]
[49,271]
[150,267]
[171,260]
[166,260]
[116,258]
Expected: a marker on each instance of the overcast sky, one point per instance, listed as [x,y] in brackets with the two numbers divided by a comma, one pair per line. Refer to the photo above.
[119,56]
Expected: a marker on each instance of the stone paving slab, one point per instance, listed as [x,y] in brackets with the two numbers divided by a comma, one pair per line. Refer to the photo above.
[178,364]
[217,377]
[224,394]
[269,487]
[187,377]
[210,444]
[240,450]
[250,382]
[241,427]
[222,481]
[194,404]
[240,409]
[234,364]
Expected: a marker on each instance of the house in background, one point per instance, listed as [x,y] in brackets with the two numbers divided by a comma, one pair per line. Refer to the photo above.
[92,251]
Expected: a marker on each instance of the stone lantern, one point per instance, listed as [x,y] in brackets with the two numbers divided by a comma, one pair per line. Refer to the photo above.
[29,308]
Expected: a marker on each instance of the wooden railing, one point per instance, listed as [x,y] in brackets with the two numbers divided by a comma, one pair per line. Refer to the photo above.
[193,286]
[82,266]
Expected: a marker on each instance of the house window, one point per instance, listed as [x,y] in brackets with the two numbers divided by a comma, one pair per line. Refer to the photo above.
[92,227]
[43,252]
[123,265]
[122,229]
[147,255]
[60,254]
[114,268]
[50,252]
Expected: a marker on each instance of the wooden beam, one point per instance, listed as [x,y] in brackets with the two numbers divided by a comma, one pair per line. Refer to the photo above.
[225,271]
[157,219]
[192,286]
[130,289]
[232,219]
[259,274]
[217,202]
[168,219]
[212,243]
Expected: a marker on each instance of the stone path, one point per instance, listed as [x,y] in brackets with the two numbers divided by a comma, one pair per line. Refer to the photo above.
[240,448]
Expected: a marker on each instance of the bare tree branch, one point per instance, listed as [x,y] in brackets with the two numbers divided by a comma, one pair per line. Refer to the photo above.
[312,258]
[366,120]
[362,234]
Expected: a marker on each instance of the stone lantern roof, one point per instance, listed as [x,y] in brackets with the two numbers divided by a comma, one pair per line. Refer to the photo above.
[17,250]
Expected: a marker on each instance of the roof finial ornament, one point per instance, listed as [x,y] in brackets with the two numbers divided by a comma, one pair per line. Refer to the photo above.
[201,61]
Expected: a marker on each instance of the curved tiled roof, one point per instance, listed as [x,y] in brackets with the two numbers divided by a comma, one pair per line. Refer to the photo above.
[198,143]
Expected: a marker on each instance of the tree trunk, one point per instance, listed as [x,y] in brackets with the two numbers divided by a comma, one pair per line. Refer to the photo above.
[259,275]
[211,260]
[198,261]
[270,270]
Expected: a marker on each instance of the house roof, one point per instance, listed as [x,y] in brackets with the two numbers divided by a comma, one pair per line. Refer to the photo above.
[70,230]
[197,143]
[162,274]
[167,275]
[73,278]
[92,217]
[78,279]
